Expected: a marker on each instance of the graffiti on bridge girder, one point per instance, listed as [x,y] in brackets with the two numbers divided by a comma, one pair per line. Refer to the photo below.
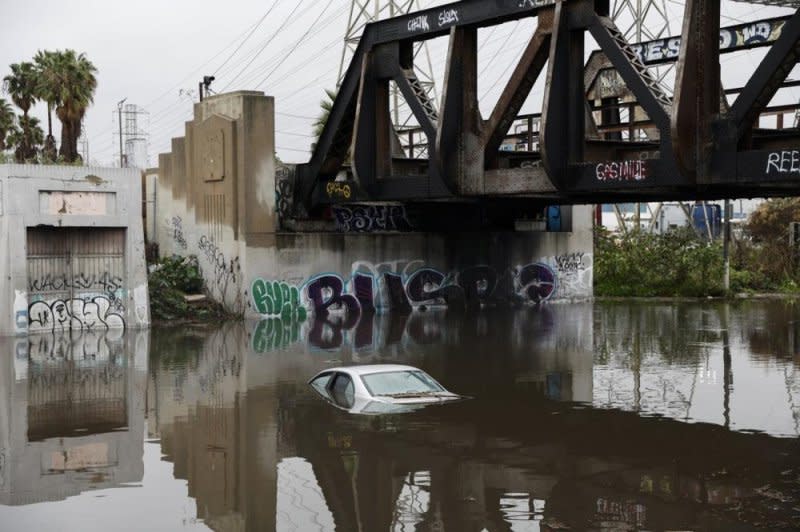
[371,218]
[784,162]
[742,36]
[618,171]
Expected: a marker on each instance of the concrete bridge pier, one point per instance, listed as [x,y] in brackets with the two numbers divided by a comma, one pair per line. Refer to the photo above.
[222,196]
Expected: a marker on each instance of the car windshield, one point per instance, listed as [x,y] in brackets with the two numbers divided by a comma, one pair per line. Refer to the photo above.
[400,383]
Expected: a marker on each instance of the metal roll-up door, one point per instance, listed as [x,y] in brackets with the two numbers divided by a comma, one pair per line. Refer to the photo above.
[75,279]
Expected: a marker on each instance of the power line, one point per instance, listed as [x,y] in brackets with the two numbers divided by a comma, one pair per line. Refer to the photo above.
[250,78]
[178,85]
[279,30]
[258,24]
[298,43]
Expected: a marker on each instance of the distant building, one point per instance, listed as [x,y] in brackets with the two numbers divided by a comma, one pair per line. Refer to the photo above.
[661,217]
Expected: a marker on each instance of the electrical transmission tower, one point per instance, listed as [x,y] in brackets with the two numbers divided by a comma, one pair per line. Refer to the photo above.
[83,147]
[645,20]
[363,12]
[639,21]
[132,133]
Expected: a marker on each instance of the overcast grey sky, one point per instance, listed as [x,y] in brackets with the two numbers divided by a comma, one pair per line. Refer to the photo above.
[153,51]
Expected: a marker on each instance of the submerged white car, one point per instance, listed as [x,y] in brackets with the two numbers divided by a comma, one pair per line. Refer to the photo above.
[380,389]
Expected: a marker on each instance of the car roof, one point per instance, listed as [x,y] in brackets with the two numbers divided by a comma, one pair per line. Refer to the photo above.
[372,368]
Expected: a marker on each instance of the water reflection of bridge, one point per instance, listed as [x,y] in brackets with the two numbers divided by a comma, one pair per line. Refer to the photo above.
[71,415]
[257,448]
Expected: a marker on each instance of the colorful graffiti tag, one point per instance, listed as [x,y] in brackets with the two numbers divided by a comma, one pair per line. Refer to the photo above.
[276,299]
[372,288]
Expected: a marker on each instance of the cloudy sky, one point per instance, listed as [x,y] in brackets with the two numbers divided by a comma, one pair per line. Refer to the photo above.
[154,52]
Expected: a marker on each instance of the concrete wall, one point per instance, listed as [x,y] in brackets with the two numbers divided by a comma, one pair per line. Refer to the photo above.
[85,200]
[219,196]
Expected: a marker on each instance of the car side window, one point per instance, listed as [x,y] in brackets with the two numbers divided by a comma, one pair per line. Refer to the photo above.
[321,383]
[343,390]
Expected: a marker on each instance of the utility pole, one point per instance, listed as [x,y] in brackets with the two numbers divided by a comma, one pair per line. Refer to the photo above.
[119,115]
[726,246]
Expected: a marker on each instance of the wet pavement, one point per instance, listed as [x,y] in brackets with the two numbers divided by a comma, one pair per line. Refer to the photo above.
[604,416]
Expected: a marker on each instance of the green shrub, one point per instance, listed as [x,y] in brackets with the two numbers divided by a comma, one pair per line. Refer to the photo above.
[169,280]
[640,264]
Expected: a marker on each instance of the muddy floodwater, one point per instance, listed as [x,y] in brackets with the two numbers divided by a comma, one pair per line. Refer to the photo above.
[596,416]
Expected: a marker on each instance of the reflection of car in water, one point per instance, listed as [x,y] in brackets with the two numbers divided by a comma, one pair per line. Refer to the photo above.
[380,389]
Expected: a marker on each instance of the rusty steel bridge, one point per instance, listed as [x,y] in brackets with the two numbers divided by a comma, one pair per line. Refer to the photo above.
[608,131]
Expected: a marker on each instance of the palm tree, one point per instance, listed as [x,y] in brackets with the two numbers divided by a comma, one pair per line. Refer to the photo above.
[327,107]
[48,87]
[21,86]
[26,139]
[76,93]
[7,120]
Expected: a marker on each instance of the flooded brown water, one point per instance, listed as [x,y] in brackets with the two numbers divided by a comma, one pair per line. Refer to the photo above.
[583,417]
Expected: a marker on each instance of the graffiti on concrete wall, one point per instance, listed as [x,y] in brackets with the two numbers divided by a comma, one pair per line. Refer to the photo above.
[389,300]
[371,218]
[403,286]
[575,273]
[223,276]
[176,226]
[278,300]
[95,314]
[570,262]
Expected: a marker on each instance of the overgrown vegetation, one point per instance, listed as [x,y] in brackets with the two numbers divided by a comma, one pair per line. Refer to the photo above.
[640,264]
[170,280]
[682,263]
[764,259]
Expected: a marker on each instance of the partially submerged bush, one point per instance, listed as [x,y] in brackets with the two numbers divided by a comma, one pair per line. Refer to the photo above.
[170,280]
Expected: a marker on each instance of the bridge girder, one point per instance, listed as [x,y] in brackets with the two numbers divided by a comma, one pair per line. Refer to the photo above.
[698,146]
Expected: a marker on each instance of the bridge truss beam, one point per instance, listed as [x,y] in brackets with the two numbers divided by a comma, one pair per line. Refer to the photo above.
[697,149]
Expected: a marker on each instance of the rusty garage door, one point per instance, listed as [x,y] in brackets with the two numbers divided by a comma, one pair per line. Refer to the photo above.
[75,279]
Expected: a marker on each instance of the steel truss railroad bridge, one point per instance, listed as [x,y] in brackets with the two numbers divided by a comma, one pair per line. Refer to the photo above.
[691,145]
